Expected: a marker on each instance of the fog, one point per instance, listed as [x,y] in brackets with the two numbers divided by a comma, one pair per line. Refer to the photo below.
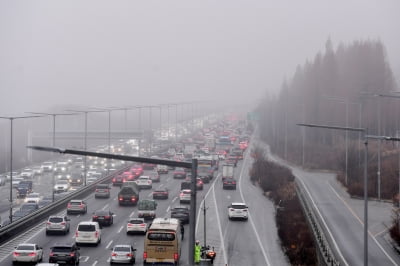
[118,53]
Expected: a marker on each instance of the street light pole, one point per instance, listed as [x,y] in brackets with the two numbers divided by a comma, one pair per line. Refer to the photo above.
[12,118]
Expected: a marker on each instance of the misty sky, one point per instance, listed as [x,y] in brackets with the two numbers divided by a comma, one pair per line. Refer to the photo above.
[118,53]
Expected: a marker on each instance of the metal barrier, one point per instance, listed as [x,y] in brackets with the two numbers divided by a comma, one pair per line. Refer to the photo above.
[325,254]
[34,218]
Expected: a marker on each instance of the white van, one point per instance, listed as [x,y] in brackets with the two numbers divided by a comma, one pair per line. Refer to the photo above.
[88,233]
[162,169]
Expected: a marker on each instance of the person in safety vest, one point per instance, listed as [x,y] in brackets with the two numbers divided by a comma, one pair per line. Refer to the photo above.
[197,252]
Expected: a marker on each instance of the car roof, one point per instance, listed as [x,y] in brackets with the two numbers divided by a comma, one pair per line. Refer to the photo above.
[26,244]
[63,245]
[122,245]
[136,218]
[76,200]
[88,222]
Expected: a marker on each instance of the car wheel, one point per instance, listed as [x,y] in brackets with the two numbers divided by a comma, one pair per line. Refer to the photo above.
[47,233]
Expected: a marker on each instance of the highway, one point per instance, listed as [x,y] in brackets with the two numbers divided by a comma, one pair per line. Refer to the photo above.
[252,242]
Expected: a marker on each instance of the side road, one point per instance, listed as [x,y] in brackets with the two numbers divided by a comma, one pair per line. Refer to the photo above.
[344,217]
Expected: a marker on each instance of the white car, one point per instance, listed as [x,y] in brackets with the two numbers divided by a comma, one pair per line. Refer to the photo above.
[136,225]
[184,196]
[144,182]
[33,197]
[27,253]
[27,173]
[238,210]
[16,180]
[88,233]
[62,186]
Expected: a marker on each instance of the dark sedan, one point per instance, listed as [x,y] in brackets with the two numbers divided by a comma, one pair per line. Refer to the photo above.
[103,217]
[162,193]
[181,213]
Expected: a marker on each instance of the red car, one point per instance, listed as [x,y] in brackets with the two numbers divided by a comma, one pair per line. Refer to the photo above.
[137,170]
[180,173]
[160,193]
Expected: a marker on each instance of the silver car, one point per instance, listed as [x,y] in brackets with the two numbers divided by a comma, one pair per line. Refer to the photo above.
[123,254]
[27,253]
[58,224]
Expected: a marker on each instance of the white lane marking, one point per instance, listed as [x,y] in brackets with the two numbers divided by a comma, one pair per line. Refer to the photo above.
[120,229]
[168,179]
[109,244]
[202,202]
[161,185]
[362,223]
[219,228]
[169,207]
[174,199]
[150,194]
[105,206]
[132,213]
[323,221]
[250,218]
[94,263]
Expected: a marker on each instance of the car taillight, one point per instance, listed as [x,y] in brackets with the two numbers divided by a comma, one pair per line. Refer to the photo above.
[16,254]
[69,205]
[133,198]
[148,181]
[114,180]
[182,194]
[231,209]
[121,199]
[113,254]
[234,182]
[63,223]
[81,205]
[107,217]
[96,234]
[72,254]
[129,255]
[96,190]
[95,216]
[51,254]
[76,233]
[176,256]
[48,223]
[142,225]
[245,210]
[123,180]
[144,255]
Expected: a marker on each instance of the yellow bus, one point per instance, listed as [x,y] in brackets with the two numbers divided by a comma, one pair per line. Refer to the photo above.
[163,242]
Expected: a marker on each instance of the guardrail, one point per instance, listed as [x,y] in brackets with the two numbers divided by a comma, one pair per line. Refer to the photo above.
[34,218]
[326,256]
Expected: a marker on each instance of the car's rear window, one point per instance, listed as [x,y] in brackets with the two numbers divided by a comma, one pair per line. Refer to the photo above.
[101,186]
[161,236]
[75,203]
[56,220]
[23,247]
[61,249]
[126,249]
[239,206]
[86,227]
[135,221]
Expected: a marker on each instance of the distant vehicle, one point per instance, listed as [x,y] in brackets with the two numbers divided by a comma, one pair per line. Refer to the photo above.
[229,183]
[184,196]
[57,224]
[27,253]
[129,194]
[118,180]
[33,197]
[136,225]
[47,166]
[29,207]
[161,193]
[76,206]
[64,253]
[20,214]
[37,170]
[16,180]
[185,185]
[144,182]
[231,159]
[147,209]
[103,217]
[182,213]
[123,254]
[88,233]
[137,170]
[199,183]
[76,180]
[27,173]
[238,210]
[102,191]
[61,186]
[179,173]
[227,171]
[154,177]
[162,169]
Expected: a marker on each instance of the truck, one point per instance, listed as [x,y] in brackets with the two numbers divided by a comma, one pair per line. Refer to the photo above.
[227,171]
[129,194]
[147,209]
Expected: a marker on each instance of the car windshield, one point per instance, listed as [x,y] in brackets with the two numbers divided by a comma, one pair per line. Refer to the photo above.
[75,203]
[135,221]
[239,206]
[101,213]
[25,247]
